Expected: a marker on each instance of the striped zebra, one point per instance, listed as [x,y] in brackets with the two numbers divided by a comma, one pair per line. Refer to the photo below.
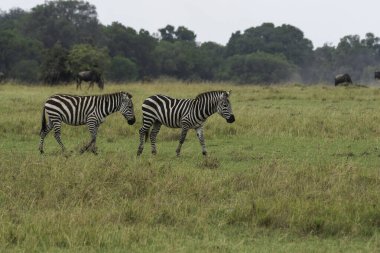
[182,113]
[81,110]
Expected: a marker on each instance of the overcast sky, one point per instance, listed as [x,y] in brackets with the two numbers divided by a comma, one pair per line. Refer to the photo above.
[215,20]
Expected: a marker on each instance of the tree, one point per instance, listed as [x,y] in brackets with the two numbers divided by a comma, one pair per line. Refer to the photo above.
[14,47]
[209,60]
[321,68]
[26,71]
[122,69]
[167,33]
[55,68]
[86,57]
[258,67]
[69,22]
[286,39]
[184,34]
[121,40]
[177,59]
[353,55]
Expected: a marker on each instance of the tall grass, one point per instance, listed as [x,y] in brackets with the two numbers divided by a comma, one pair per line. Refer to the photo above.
[297,172]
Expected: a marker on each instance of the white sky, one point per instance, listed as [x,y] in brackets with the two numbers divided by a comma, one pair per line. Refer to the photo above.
[215,20]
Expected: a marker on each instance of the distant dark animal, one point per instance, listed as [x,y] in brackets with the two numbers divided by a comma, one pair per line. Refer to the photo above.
[81,110]
[2,77]
[90,76]
[377,75]
[343,79]
[182,113]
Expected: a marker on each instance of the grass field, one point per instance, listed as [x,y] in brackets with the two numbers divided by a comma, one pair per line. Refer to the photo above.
[298,171]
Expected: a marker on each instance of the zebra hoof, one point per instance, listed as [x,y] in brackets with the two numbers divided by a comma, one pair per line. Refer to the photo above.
[41,152]
[204,153]
[154,152]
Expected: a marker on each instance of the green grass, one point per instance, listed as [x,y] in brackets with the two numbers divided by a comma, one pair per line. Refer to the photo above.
[297,172]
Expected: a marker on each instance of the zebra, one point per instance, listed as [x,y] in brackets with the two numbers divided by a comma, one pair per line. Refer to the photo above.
[81,110]
[182,113]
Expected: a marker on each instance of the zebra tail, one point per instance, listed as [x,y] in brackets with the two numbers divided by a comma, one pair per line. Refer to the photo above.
[43,121]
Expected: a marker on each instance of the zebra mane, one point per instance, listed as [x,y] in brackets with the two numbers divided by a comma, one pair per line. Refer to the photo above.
[205,94]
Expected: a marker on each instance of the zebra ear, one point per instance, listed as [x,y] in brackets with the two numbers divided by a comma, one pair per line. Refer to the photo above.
[129,95]
[228,93]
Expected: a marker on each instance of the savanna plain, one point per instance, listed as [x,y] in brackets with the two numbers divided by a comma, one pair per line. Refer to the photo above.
[298,171]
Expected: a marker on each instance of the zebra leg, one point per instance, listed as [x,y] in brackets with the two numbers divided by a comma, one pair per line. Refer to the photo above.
[43,134]
[153,135]
[199,131]
[143,132]
[93,128]
[57,134]
[181,140]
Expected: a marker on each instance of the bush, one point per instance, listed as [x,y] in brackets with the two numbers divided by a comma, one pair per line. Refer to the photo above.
[258,68]
[122,69]
[26,71]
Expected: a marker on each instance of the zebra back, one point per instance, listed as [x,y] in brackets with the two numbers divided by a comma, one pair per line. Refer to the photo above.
[75,110]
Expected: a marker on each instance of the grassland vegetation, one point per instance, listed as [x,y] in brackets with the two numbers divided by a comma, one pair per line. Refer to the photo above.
[298,171]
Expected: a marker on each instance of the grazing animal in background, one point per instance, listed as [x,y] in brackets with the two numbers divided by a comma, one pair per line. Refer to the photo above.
[344,79]
[91,76]
[182,113]
[377,75]
[81,110]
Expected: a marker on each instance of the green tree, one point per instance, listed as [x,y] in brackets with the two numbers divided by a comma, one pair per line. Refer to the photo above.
[170,34]
[122,69]
[353,55]
[286,39]
[121,40]
[184,34]
[258,67]
[55,67]
[167,33]
[86,57]
[70,22]
[209,60]
[26,71]
[177,59]
[14,47]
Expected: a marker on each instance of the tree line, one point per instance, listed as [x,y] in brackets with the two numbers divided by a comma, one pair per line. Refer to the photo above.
[54,41]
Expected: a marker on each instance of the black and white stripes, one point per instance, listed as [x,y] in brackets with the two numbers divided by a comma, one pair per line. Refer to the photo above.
[182,113]
[81,110]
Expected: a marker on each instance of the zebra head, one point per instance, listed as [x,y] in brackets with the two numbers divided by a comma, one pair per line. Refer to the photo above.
[126,107]
[224,107]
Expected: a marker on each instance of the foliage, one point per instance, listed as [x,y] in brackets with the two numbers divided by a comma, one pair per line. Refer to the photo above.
[173,51]
[55,67]
[285,39]
[70,22]
[122,69]
[178,59]
[14,47]
[26,71]
[258,68]
[86,57]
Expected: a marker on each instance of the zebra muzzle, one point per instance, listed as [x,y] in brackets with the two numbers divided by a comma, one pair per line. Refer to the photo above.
[132,121]
[231,119]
